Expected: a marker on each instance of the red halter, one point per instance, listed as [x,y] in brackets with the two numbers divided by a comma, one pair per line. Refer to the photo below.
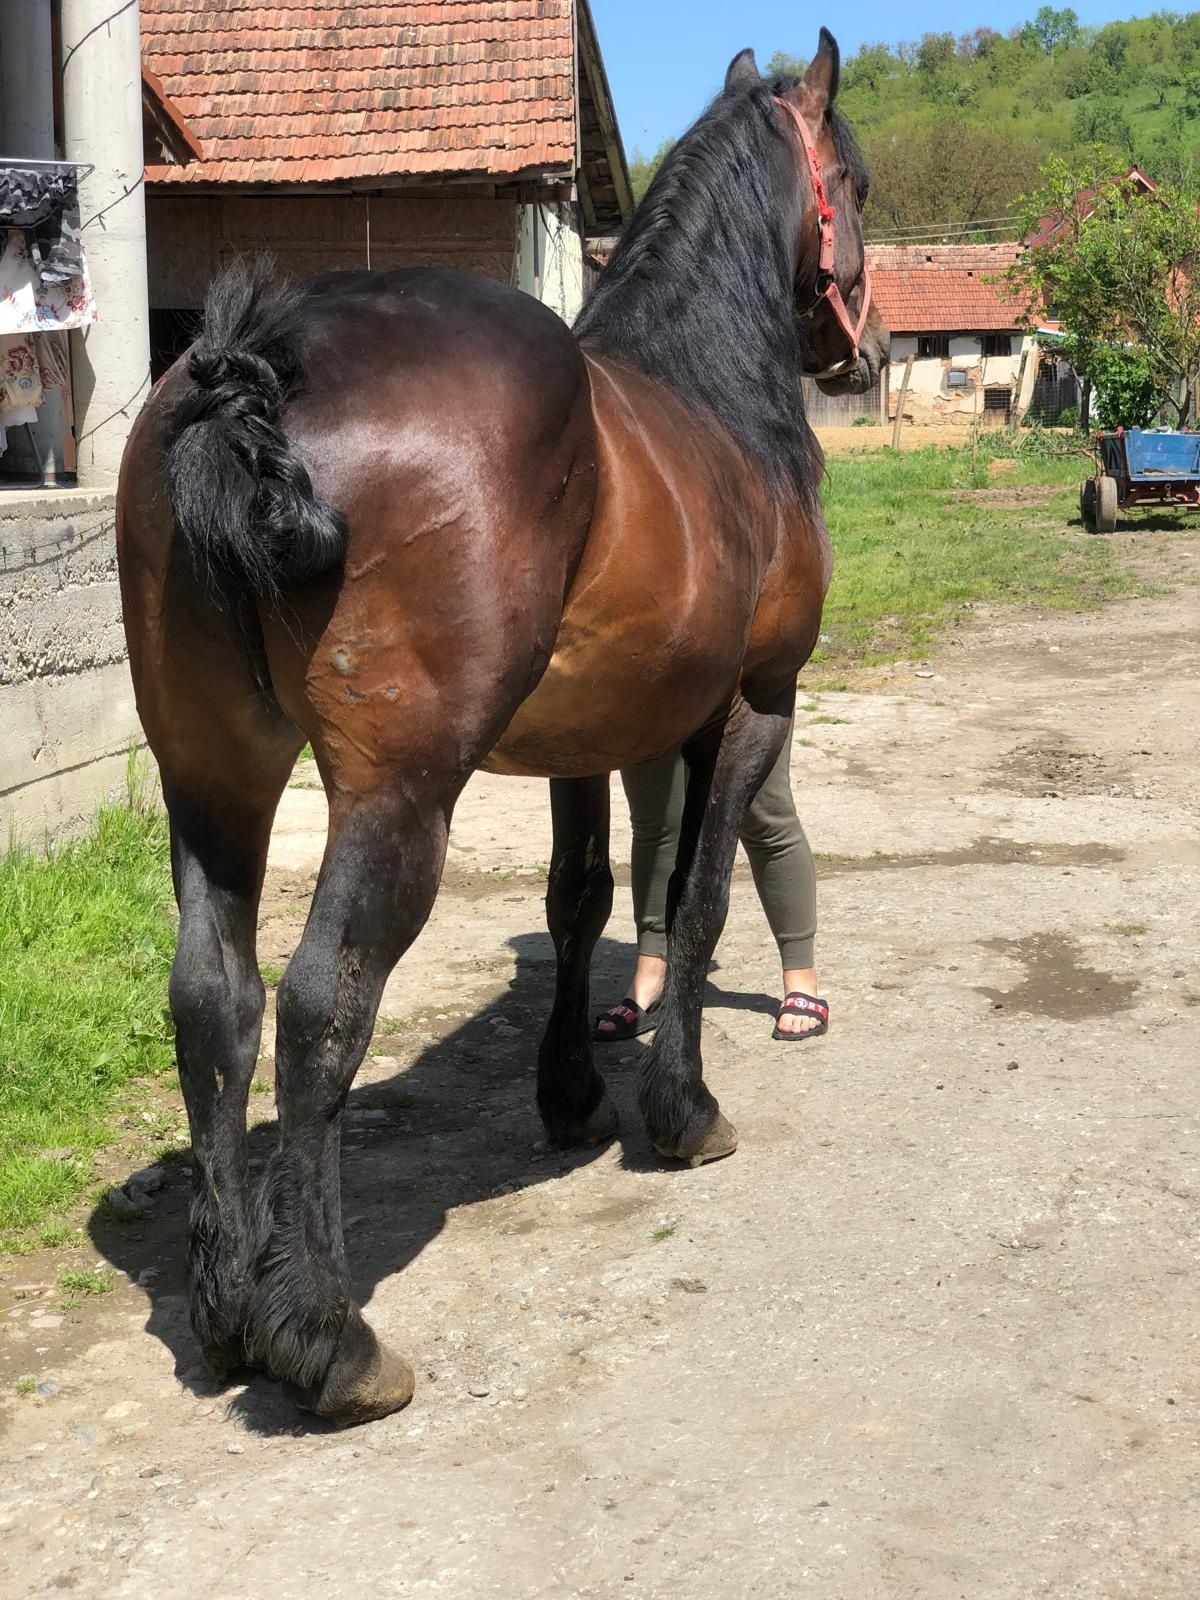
[827,288]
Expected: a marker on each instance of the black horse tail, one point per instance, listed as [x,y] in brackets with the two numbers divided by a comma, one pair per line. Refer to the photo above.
[242,497]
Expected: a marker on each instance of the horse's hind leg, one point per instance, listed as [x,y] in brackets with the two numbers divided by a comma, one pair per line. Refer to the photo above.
[218,852]
[725,771]
[382,865]
[571,1096]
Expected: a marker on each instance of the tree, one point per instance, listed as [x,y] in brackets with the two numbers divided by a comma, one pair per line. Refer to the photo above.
[1119,270]
[1101,122]
[947,176]
[786,66]
[1051,28]
[935,51]
[642,168]
[1159,80]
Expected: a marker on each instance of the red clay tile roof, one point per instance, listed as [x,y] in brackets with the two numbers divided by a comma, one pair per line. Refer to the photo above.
[308,91]
[941,288]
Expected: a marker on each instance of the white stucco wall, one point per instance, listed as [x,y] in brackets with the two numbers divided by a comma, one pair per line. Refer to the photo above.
[550,256]
[930,400]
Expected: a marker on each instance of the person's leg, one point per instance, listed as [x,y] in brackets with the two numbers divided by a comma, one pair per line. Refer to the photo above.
[654,791]
[786,880]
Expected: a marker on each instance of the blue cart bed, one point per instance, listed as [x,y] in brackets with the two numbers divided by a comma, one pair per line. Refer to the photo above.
[1140,467]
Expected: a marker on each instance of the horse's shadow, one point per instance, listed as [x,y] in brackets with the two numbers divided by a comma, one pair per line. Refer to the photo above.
[457,1126]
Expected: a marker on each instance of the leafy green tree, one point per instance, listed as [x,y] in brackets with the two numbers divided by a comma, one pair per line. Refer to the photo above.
[1159,81]
[642,168]
[1050,28]
[1128,392]
[935,51]
[1102,122]
[1119,270]
[789,66]
[951,173]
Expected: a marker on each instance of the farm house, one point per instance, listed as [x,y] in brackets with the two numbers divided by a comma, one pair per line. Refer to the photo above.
[946,310]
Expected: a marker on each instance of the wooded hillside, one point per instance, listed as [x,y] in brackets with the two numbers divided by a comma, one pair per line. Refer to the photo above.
[954,129]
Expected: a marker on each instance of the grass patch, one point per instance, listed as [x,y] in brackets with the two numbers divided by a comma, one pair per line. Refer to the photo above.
[86,937]
[816,721]
[663,1231]
[916,536]
[1129,929]
[26,1386]
[80,1284]
[388,1027]
[270,975]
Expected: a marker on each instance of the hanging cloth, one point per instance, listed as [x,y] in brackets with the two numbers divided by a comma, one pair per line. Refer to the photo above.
[31,304]
[44,204]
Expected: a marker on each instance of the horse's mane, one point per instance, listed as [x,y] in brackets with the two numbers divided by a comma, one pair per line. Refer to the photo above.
[699,291]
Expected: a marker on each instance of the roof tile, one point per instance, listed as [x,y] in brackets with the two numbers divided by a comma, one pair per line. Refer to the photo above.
[306,91]
[943,288]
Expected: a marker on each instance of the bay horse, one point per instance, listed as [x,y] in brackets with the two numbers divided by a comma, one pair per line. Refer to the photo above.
[413,518]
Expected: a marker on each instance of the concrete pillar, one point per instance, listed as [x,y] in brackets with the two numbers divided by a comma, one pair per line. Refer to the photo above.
[26,80]
[27,130]
[102,124]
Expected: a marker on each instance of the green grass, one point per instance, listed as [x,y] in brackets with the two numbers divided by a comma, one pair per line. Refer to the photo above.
[271,975]
[26,1386]
[913,542]
[664,1231]
[79,1284]
[86,936]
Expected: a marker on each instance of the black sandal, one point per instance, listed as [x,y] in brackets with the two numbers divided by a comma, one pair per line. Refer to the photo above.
[628,1019]
[807,1005]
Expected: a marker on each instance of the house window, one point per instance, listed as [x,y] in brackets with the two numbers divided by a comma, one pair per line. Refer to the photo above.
[933,344]
[997,344]
[958,378]
[997,399]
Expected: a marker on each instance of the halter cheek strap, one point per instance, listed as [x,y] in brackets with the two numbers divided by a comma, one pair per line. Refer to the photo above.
[827,287]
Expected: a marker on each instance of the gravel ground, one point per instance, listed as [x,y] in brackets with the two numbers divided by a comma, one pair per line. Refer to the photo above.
[931,1333]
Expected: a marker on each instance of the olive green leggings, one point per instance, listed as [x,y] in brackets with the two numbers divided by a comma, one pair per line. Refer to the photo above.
[773,839]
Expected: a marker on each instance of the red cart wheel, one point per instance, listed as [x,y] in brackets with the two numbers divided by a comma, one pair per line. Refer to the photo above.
[1087,504]
[1106,504]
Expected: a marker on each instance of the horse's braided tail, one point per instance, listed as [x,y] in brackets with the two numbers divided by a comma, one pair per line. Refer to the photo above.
[242,497]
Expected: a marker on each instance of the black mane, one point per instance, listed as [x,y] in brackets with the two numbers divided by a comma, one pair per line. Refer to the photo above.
[699,291]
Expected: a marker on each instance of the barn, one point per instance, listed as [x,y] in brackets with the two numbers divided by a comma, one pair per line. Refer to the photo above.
[473,133]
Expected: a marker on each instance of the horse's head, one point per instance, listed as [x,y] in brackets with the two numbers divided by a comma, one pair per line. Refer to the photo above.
[843,341]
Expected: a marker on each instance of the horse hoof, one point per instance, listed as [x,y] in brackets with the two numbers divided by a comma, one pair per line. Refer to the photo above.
[720,1140]
[387,1386]
[596,1129]
[223,1360]
[601,1126]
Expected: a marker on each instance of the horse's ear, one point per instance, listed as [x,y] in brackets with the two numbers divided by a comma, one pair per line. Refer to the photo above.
[819,86]
[743,69]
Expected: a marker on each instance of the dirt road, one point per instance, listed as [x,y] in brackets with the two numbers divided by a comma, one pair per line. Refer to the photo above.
[932,1332]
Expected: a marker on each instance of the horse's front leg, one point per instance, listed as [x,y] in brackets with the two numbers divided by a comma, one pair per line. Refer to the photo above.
[726,768]
[571,1096]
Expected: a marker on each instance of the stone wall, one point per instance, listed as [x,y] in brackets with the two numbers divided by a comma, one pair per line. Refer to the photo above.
[66,700]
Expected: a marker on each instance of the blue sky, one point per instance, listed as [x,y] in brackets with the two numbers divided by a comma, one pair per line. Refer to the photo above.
[665,58]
